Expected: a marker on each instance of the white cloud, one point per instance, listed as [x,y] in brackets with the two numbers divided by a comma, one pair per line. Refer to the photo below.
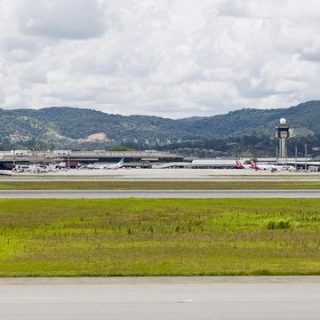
[271,9]
[166,57]
[68,19]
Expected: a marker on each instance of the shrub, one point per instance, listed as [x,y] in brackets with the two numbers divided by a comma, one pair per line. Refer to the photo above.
[278,224]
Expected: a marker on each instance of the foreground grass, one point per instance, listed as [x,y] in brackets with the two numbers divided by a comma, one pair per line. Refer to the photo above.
[159,185]
[130,237]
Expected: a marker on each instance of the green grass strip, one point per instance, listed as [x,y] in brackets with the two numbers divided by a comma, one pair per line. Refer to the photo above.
[145,237]
[159,185]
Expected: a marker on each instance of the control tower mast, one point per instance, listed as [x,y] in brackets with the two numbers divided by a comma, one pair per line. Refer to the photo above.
[283,135]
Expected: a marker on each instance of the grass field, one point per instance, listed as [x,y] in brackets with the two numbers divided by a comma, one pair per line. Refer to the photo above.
[158,185]
[159,237]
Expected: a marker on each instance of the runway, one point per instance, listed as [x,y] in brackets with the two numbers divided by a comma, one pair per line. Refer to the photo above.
[261,298]
[159,194]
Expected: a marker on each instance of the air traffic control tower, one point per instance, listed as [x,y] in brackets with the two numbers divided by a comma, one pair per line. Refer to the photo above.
[283,135]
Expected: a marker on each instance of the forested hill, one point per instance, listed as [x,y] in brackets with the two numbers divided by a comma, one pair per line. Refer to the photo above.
[303,118]
[62,126]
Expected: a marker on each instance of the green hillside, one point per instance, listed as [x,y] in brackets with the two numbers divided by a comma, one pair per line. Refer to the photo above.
[69,127]
[304,117]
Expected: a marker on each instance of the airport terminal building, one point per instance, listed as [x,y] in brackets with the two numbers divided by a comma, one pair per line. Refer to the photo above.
[134,159]
[72,159]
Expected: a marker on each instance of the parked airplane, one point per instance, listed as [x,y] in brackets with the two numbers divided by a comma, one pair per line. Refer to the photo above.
[115,166]
[252,165]
[5,173]
[271,167]
[94,166]
[106,166]
[34,168]
[240,165]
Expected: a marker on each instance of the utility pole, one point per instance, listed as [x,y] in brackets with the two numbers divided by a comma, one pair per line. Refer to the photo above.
[14,157]
[306,155]
[296,157]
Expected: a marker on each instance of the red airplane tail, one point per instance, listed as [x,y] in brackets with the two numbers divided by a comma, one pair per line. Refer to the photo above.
[239,165]
[254,165]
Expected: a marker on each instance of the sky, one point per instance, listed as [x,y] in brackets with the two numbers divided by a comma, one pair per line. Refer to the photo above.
[170,58]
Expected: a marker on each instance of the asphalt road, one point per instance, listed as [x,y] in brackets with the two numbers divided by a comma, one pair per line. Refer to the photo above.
[198,194]
[161,298]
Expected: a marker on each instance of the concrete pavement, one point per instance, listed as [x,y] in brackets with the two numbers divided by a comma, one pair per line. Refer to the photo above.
[160,194]
[225,298]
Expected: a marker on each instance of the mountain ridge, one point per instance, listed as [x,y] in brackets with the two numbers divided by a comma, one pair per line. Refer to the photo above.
[64,126]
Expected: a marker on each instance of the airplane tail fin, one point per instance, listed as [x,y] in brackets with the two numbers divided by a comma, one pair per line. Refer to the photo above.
[254,165]
[239,165]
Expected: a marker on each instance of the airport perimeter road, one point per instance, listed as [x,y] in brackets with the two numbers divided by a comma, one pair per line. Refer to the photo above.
[161,298]
[156,194]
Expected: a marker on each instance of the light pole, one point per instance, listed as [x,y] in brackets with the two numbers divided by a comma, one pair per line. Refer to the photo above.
[306,155]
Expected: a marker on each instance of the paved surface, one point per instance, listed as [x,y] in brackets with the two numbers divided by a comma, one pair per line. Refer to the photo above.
[166,175]
[158,179]
[161,298]
[196,194]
